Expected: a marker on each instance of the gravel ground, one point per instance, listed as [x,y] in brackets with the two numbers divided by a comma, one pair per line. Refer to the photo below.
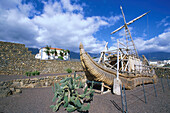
[38,100]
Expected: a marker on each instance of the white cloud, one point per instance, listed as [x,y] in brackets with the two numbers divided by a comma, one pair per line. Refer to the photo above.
[113,19]
[164,22]
[6,4]
[71,7]
[61,24]
[113,38]
[122,32]
[158,43]
[17,27]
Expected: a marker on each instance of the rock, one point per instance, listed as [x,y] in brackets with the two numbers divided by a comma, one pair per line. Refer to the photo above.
[12,89]
[5,92]
[42,84]
[46,83]
[16,85]
[3,87]
[2,83]
[17,91]
[37,85]
[30,86]
[32,81]
[22,84]
[36,79]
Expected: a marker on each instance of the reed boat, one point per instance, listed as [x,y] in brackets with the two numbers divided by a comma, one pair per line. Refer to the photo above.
[124,61]
[100,73]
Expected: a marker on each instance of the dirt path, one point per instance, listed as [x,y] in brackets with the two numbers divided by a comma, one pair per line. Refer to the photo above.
[12,77]
[38,100]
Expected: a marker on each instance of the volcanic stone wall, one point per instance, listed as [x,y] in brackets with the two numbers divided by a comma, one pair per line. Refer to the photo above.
[162,72]
[15,59]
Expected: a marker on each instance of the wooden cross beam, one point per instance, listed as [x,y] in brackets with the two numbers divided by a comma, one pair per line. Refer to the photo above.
[129,22]
[127,30]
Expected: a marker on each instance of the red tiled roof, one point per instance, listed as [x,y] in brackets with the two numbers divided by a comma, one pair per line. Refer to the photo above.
[55,48]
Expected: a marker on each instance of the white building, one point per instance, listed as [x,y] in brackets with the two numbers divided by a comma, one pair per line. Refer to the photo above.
[153,63]
[43,55]
[159,63]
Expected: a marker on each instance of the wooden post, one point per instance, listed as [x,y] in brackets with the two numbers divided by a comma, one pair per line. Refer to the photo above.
[144,92]
[125,99]
[117,59]
[102,87]
[121,60]
[154,88]
[162,85]
[168,82]
[122,99]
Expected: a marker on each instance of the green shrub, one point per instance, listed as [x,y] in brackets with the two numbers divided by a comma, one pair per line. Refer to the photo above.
[67,95]
[33,73]
[37,72]
[69,70]
[60,58]
[28,73]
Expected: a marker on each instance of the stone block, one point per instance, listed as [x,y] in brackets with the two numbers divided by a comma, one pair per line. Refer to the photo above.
[18,91]
[12,89]
[29,86]
[37,85]
[6,92]
[16,85]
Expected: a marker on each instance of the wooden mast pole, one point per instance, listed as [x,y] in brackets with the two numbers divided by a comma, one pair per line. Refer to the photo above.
[117,59]
[129,32]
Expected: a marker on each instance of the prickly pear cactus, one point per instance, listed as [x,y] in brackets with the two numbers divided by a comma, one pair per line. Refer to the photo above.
[66,95]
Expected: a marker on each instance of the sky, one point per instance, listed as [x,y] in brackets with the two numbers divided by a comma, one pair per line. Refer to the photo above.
[66,23]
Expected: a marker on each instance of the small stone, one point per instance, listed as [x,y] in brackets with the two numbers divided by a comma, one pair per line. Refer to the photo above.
[1,83]
[16,85]
[32,81]
[46,83]
[37,85]
[12,89]
[18,91]
[3,88]
[5,93]
[29,86]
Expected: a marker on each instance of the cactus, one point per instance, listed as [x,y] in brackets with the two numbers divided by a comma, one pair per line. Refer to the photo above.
[67,95]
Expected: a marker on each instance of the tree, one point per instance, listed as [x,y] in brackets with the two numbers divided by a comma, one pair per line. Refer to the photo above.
[55,52]
[68,51]
[62,52]
[52,52]
[47,51]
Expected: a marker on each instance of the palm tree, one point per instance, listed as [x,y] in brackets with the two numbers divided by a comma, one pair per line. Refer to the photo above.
[47,51]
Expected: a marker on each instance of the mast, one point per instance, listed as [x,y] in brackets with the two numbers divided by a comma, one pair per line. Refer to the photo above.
[127,32]
[126,29]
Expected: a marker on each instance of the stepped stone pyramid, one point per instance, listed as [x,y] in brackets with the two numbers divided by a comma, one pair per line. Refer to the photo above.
[14,57]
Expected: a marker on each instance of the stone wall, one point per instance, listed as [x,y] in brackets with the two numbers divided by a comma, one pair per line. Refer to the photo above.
[162,72]
[15,59]
[11,87]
